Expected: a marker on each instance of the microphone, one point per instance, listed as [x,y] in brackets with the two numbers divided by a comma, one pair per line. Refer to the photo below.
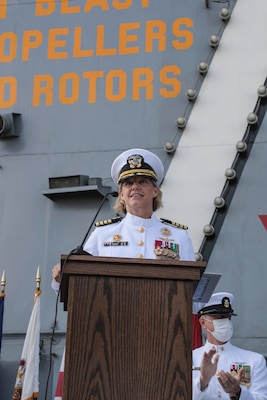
[79,249]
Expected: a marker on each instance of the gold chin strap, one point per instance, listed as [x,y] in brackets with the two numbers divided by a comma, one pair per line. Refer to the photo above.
[137,172]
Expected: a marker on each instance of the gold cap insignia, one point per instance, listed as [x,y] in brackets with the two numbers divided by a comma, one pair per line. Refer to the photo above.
[226,302]
[135,161]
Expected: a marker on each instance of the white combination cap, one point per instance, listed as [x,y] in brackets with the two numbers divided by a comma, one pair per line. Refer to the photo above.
[137,162]
[219,304]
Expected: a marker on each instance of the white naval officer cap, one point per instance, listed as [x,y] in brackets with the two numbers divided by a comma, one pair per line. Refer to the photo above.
[219,304]
[137,162]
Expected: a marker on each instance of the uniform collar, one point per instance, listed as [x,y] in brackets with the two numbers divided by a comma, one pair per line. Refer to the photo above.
[218,347]
[138,221]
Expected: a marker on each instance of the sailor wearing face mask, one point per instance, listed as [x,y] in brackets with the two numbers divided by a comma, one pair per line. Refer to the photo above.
[221,370]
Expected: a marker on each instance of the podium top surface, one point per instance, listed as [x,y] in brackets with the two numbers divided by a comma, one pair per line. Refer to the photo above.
[127,267]
[136,267]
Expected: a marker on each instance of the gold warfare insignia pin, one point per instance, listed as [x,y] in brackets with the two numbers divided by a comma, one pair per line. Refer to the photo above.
[117,237]
[165,232]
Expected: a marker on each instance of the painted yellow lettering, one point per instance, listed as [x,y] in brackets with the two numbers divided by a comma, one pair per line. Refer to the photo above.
[103,4]
[8,47]
[100,45]
[77,44]
[3,9]
[92,77]
[185,37]
[142,78]
[8,91]
[31,40]
[155,32]
[121,4]
[54,43]
[120,77]
[67,9]
[44,7]
[43,85]
[69,83]
[168,76]
[125,38]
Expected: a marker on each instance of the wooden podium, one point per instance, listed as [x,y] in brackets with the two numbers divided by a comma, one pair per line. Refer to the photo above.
[129,328]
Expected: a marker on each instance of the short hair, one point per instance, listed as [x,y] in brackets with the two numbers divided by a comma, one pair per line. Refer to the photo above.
[119,205]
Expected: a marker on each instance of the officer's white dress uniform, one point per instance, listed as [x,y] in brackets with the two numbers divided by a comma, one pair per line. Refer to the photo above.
[254,386]
[230,354]
[137,237]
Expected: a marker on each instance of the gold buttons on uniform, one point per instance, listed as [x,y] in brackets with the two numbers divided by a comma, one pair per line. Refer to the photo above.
[140,242]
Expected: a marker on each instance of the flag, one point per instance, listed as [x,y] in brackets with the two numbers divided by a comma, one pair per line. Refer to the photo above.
[197,340]
[27,381]
[59,388]
[2,302]
[196,332]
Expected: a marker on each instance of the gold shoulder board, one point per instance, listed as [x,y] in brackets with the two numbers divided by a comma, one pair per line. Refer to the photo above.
[108,221]
[176,224]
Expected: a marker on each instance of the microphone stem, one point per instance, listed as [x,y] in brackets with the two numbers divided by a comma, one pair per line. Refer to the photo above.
[92,223]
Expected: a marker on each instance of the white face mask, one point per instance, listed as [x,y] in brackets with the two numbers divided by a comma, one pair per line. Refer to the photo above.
[223,329]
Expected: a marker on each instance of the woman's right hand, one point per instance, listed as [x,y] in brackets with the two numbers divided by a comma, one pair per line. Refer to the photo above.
[56,272]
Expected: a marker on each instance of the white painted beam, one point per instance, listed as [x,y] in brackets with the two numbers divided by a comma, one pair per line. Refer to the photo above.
[218,120]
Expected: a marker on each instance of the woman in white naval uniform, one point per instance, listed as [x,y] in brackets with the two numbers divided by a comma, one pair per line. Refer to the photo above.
[213,362]
[138,173]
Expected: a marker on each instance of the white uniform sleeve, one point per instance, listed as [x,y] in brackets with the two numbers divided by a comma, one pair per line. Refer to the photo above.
[55,285]
[197,394]
[187,251]
[258,389]
[91,244]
